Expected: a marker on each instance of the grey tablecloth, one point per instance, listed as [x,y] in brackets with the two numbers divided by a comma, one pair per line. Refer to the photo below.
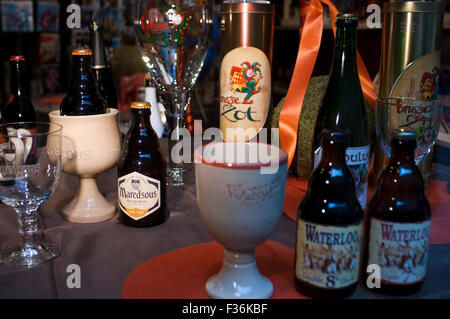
[108,251]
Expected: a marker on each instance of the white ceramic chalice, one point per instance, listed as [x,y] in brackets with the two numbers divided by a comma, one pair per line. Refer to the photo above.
[240,193]
[90,146]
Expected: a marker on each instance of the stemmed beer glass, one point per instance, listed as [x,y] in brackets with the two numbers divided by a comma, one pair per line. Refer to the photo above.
[418,115]
[30,167]
[173,37]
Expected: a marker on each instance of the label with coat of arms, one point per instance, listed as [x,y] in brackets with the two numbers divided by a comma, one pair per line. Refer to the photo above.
[328,256]
[400,249]
[245,85]
[139,195]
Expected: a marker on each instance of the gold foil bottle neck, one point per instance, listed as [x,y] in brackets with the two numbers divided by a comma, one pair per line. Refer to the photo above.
[140,105]
[81,52]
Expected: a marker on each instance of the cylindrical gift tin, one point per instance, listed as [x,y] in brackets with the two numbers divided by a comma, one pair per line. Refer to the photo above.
[244,24]
[246,46]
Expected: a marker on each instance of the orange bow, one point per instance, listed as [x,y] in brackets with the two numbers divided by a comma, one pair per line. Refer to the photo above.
[307,54]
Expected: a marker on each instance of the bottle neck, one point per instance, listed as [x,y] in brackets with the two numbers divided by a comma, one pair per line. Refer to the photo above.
[98,48]
[344,61]
[403,155]
[18,81]
[82,77]
[332,154]
[141,119]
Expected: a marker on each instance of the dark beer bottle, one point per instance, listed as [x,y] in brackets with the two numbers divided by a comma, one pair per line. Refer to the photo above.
[329,225]
[398,223]
[342,106]
[142,173]
[83,97]
[100,67]
[19,108]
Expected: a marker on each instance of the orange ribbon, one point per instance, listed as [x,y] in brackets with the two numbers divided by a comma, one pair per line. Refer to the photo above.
[307,54]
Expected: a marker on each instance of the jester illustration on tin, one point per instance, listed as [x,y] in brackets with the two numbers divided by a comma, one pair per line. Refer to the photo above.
[246,79]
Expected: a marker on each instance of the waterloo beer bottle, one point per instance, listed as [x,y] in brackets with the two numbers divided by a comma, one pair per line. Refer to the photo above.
[342,106]
[19,108]
[100,67]
[142,173]
[398,223]
[83,97]
[329,225]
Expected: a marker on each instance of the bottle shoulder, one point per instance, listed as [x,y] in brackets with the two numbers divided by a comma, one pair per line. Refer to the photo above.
[399,195]
[330,201]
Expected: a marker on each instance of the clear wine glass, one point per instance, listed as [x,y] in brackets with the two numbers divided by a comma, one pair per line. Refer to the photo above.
[173,38]
[422,116]
[30,167]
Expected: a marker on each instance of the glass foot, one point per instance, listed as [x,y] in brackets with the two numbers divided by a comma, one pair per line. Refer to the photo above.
[29,255]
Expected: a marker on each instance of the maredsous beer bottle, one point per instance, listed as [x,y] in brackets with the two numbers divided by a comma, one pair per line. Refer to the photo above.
[329,226]
[83,97]
[342,106]
[142,173]
[398,224]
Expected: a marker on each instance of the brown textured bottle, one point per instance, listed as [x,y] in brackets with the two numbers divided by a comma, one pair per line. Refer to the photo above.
[329,225]
[398,223]
[142,173]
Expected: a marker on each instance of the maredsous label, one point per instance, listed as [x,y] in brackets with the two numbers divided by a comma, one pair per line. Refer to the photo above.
[139,195]
[400,249]
[328,256]
[357,160]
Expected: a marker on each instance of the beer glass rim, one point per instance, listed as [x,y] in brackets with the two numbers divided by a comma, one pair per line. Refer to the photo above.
[109,112]
[407,99]
[53,128]
[198,154]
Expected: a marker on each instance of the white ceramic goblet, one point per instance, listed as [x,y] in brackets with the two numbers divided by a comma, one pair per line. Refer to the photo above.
[240,199]
[90,146]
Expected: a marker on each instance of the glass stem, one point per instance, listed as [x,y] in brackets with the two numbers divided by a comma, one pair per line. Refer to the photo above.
[28,225]
[176,123]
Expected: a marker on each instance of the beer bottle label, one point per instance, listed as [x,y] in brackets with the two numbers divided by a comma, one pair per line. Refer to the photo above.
[400,250]
[357,160]
[139,195]
[328,256]
[245,85]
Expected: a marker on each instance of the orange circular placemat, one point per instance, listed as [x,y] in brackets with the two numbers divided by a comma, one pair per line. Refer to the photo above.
[182,274]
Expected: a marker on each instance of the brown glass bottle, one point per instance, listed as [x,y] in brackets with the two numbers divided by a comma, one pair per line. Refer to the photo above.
[83,97]
[398,223]
[142,173]
[19,108]
[329,225]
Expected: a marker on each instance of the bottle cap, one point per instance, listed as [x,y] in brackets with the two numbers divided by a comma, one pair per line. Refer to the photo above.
[81,52]
[346,16]
[17,58]
[346,19]
[140,105]
[334,137]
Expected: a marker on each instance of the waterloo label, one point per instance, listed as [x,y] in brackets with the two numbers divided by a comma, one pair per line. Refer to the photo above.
[328,256]
[400,249]
[245,85]
[139,195]
[357,160]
